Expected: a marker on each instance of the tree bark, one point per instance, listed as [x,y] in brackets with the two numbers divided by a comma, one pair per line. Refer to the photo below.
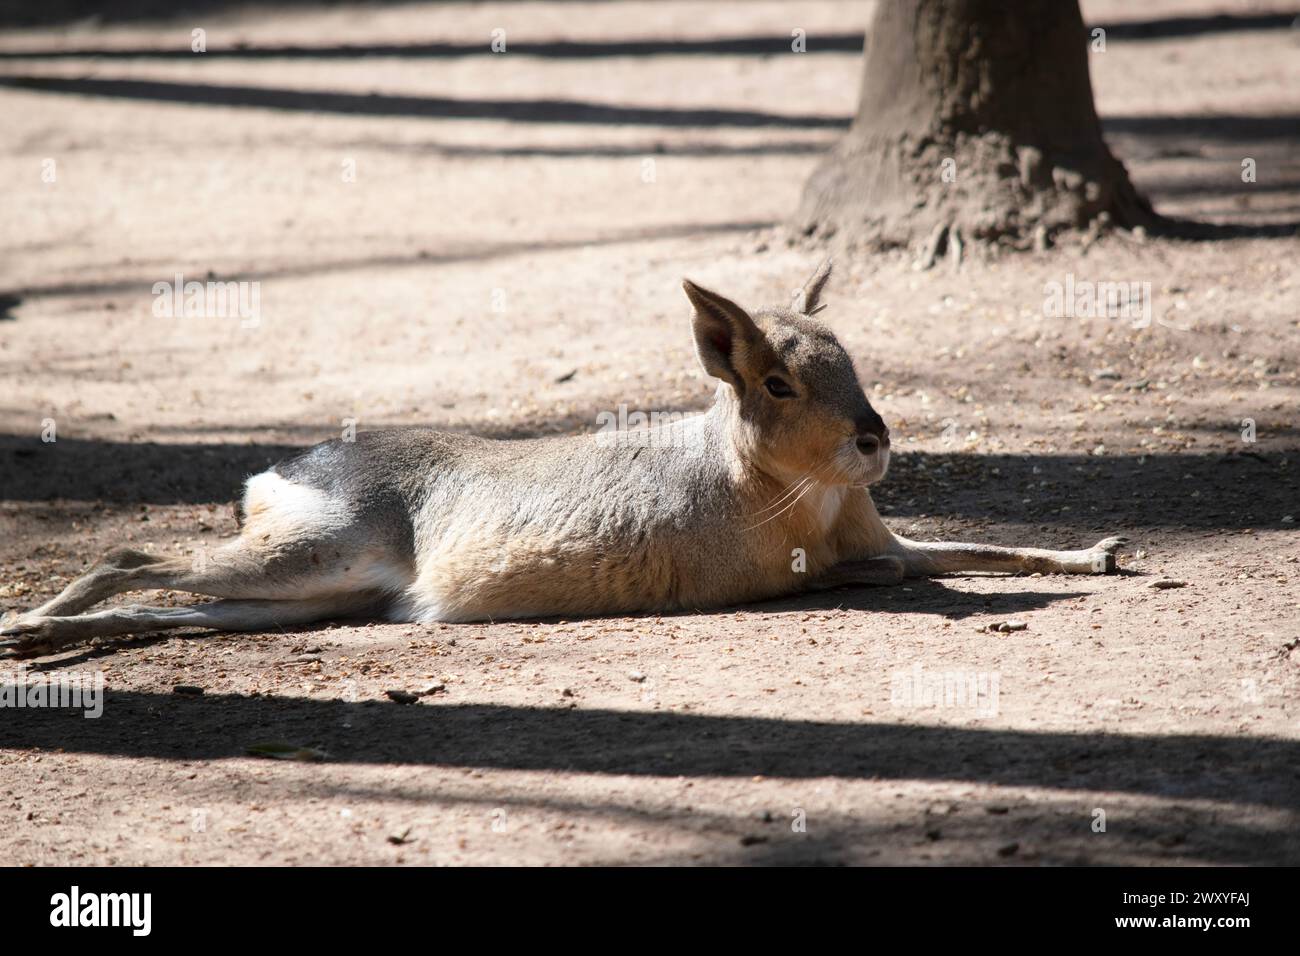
[975,120]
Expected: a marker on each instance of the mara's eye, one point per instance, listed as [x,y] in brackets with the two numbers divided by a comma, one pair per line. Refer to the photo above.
[778,388]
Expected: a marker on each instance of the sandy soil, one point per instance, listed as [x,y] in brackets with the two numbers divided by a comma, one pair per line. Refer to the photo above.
[513,270]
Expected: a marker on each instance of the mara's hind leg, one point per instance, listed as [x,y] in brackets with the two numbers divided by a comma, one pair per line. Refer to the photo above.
[239,569]
[33,634]
[117,571]
[298,542]
[924,558]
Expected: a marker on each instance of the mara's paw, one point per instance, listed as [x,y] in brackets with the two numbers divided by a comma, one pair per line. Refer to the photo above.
[28,636]
[1102,554]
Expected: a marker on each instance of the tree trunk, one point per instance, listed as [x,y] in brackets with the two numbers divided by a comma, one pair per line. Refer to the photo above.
[975,121]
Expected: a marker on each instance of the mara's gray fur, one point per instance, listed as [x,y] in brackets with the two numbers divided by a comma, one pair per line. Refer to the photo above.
[764,494]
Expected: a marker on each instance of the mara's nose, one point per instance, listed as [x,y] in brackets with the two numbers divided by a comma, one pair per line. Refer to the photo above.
[872,434]
[868,444]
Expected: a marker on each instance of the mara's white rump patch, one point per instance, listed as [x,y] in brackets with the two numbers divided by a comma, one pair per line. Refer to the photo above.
[324,547]
[269,497]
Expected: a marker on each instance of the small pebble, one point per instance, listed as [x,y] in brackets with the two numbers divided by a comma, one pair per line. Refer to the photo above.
[401,696]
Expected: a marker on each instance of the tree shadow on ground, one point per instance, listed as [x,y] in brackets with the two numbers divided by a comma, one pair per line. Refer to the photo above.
[123,11]
[1258,770]
[816,42]
[1081,770]
[591,150]
[463,251]
[1273,128]
[1207,126]
[1053,831]
[423,107]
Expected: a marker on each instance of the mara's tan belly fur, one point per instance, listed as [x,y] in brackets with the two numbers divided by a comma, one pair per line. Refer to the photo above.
[474,570]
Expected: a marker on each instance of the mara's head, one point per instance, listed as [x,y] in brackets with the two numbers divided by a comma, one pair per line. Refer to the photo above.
[799,406]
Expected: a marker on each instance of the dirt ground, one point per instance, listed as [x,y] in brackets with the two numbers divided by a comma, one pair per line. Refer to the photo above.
[512,268]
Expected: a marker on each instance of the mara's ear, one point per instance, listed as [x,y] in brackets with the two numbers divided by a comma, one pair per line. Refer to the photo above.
[808,299]
[724,334]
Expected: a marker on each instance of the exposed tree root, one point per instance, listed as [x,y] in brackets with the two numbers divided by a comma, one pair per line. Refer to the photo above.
[941,197]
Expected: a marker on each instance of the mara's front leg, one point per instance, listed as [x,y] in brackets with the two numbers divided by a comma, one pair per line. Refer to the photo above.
[927,558]
[874,555]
